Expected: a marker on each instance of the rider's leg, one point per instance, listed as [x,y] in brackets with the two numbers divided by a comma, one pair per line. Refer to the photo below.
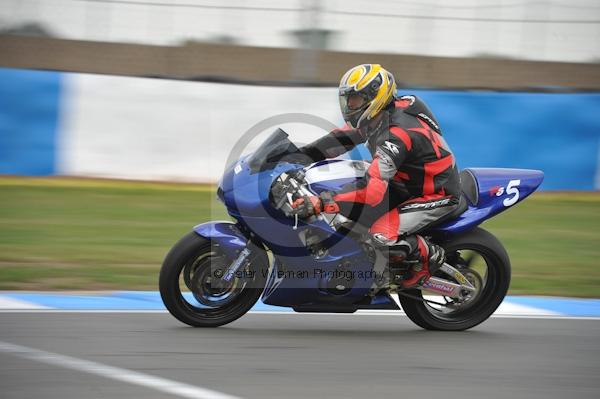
[427,257]
[396,231]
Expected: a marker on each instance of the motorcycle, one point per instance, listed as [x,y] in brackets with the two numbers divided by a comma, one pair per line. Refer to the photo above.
[217,272]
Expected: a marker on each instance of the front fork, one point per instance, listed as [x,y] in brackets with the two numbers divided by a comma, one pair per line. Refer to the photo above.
[238,248]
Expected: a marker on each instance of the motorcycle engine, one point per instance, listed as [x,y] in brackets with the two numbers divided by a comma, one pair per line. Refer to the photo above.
[340,281]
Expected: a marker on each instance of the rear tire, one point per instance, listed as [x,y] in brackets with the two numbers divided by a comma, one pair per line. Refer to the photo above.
[187,250]
[491,296]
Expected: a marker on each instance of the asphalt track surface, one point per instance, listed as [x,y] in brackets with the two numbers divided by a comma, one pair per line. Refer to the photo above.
[303,356]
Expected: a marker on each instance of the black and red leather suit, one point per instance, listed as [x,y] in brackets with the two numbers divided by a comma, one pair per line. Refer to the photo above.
[412,181]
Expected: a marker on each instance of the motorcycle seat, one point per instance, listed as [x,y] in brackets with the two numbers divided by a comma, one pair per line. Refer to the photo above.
[468,186]
[468,195]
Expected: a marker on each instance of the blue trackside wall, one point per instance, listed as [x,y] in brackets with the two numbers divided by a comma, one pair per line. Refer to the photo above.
[29,106]
[557,133]
[107,121]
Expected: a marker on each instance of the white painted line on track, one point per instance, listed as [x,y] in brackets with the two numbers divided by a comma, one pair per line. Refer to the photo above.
[398,313]
[545,317]
[11,303]
[114,373]
[141,311]
[394,313]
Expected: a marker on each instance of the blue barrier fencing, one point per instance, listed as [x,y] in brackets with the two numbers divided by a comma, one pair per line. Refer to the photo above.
[29,108]
[558,133]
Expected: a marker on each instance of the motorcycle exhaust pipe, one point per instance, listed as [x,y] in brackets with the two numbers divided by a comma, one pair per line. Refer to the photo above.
[444,287]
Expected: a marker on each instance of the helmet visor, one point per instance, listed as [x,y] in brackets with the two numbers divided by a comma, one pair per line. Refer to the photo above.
[352,102]
[352,106]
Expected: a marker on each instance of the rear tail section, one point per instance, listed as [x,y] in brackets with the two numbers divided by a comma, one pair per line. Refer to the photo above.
[490,191]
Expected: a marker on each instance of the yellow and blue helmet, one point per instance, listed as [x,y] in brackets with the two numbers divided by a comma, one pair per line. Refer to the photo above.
[364,91]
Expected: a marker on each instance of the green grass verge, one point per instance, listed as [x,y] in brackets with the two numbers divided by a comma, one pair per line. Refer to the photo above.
[94,234]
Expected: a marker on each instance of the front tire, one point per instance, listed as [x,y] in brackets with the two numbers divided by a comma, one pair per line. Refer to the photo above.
[185,268]
[494,285]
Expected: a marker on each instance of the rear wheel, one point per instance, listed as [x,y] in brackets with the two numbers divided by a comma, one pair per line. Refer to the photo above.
[193,291]
[482,259]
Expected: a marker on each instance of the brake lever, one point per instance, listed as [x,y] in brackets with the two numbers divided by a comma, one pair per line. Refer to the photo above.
[291,201]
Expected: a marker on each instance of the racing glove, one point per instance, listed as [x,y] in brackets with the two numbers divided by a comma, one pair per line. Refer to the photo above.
[310,205]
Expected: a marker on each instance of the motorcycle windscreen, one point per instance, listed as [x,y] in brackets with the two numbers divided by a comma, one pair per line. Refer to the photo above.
[274,148]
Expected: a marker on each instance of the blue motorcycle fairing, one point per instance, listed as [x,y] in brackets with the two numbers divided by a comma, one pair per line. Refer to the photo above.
[246,194]
[335,185]
[497,190]
[301,278]
[334,174]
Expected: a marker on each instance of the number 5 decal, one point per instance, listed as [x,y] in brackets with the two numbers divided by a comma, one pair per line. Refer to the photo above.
[512,188]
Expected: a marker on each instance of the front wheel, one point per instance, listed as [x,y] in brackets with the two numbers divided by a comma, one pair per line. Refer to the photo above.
[193,291]
[482,259]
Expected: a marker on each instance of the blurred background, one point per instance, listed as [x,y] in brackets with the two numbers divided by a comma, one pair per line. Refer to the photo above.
[153,93]
[545,30]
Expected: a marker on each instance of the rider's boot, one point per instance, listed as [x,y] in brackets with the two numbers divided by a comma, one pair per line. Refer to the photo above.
[425,257]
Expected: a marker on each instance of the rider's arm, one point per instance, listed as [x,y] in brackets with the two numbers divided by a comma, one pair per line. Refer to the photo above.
[371,190]
[334,144]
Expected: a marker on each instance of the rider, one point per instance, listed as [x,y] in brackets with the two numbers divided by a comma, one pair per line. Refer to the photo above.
[412,181]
